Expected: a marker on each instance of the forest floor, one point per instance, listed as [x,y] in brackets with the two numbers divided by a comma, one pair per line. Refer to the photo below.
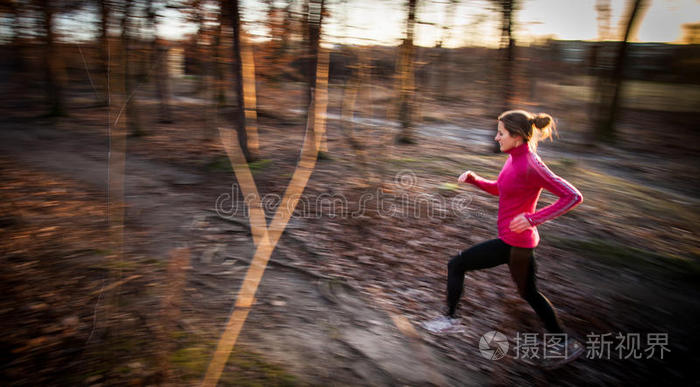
[347,287]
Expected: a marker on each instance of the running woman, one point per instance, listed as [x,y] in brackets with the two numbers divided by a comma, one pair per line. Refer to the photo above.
[518,188]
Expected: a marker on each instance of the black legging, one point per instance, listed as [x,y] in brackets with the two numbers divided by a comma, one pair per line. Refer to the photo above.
[521,262]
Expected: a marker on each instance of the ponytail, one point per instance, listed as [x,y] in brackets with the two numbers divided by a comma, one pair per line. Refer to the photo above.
[523,123]
[544,123]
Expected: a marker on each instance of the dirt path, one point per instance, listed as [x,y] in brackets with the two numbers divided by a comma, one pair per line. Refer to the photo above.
[311,318]
[312,325]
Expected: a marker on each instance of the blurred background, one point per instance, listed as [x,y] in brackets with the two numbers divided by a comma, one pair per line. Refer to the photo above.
[125,233]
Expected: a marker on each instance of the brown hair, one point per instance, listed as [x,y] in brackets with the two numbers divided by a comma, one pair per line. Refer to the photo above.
[521,122]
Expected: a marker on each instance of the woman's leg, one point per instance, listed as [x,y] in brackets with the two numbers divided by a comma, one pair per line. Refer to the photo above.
[484,255]
[523,268]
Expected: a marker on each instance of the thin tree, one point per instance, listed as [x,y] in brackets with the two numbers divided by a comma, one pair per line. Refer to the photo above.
[196,14]
[13,10]
[407,79]
[609,107]
[315,10]
[205,49]
[159,67]
[132,112]
[445,53]
[217,54]
[105,10]
[603,11]
[286,27]
[507,9]
[240,111]
[117,131]
[54,86]
[313,21]
[596,60]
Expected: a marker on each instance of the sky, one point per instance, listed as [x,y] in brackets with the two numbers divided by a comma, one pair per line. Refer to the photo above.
[562,19]
[473,22]
[577,19]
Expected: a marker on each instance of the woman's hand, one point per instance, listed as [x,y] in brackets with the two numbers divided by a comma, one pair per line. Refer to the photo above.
[519,224]
[463,177]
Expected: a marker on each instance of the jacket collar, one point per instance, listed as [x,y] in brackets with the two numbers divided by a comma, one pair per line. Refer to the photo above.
[519,150]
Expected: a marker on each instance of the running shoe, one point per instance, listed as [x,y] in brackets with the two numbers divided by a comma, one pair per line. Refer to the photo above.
[569,351]
[444,325]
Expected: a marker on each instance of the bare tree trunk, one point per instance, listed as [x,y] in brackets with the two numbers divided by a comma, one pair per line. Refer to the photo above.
[210,82]
[445,53]
[116,176]
[200,59]
[507,57]
[605,129]
[598,68]
[407,79]
[603,10]
[286,27]
[104,49]
[18,71]
[304,21]
[272,25]
[159,59]
[53,83]
[509,54]
[162,83]
[239,115]
[132,112]
[14,10]
[314,19]
[313,23]
[219,77]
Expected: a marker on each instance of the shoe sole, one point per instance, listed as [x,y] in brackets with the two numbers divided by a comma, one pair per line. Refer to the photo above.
[445,331]
[547,365]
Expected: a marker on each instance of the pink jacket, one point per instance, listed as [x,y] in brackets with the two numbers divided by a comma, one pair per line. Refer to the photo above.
[518,188]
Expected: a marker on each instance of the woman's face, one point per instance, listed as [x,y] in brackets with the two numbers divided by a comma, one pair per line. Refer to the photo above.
[505,140]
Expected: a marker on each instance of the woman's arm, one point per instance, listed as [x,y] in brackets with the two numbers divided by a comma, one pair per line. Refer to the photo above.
[489,186]
[569,196]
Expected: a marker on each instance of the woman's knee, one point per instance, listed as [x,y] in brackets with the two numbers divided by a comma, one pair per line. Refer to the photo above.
[454,263]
